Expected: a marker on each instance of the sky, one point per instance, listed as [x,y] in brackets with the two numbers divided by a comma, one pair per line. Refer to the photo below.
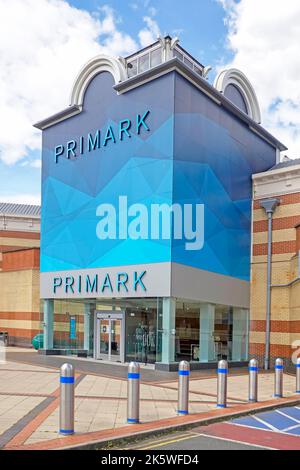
[44,44]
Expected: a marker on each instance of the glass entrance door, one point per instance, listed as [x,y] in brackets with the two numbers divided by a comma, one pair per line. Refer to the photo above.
[109,338]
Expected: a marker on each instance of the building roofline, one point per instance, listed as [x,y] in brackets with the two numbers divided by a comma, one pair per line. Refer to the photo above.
[23,211]
[144,49]
[190,55]
[175,64]
[276,172]
[58,117]
[171,65]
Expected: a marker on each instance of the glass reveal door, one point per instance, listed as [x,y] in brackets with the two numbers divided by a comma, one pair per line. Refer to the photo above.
[109,339]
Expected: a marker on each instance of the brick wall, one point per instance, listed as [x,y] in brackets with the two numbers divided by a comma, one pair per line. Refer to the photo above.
[285,301]
[20,296]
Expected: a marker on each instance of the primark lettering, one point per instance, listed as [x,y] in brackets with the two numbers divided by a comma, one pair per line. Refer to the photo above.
[89,284]
[101,138]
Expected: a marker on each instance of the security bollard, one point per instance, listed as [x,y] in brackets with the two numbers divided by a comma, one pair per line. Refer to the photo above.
[278,378]
[298,375]
[66,410]
[183,388]
[222,384]
[253,380]
[133,393]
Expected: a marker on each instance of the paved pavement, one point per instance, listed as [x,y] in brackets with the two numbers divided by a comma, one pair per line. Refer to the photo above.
[29,405]
[89,365]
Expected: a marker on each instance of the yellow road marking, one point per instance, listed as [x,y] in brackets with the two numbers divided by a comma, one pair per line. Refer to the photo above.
[163,443]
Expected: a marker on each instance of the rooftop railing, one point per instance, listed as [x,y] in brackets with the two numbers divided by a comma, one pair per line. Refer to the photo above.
[162,51]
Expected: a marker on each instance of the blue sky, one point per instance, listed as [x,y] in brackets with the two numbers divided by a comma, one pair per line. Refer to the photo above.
[198,23]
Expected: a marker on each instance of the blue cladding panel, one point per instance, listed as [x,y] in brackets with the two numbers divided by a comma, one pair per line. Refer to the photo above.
[195,152]
[214,158]
[139,167]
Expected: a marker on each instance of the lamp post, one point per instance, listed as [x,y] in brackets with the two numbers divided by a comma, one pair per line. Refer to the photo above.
[269,205]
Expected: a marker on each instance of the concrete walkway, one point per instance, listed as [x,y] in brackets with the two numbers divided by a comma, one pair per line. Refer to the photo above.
[29,403]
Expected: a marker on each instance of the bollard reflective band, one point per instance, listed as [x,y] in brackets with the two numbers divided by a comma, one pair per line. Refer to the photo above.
[297,365]
[222,371]
[278,367]
[66,431]
[132,375]
[67,380]
[183,412]
[130,420]
[183,372]
[253,369]
[221,406]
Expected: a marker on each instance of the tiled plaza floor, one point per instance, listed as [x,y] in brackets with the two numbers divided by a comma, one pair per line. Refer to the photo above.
[29,400]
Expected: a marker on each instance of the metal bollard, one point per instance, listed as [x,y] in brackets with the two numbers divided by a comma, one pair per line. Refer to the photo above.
[253,380]
[279,378]
[222,384]
[66,409]
[133,393]
[183,388]
[298,375]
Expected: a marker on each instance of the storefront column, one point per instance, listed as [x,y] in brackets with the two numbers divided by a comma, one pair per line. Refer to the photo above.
[86,328]
[239,334]
[48,323]
[169,332]
[207,327]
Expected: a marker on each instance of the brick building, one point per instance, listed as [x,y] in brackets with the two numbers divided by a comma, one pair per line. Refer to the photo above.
[19,272]
[282,185]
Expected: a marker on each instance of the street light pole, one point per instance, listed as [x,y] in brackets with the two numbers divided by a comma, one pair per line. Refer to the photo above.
[269,205]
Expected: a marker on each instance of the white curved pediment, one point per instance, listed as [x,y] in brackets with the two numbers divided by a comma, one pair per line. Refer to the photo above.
[101,63]
[238,79]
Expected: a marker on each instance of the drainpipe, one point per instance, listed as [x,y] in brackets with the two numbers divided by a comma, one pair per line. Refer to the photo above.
[269,205]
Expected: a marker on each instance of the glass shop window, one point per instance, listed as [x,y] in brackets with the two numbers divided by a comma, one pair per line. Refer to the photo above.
[187,332]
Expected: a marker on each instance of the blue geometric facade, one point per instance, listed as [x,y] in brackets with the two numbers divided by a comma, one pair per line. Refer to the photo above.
[195,152]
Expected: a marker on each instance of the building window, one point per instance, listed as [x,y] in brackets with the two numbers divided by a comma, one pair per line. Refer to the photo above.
[178,54]
[132,68]
[141,331]
[208,333]
[187,332]
[156,57]
[144,64]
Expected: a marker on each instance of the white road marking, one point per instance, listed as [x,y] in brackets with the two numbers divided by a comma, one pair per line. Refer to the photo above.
[237,442]
[290,428]
[287,416]
[270,426]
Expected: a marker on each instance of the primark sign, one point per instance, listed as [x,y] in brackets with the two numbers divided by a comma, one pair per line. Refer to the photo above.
[102,138]
[145,280]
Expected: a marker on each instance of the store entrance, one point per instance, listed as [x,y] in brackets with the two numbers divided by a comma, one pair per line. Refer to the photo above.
[109,337]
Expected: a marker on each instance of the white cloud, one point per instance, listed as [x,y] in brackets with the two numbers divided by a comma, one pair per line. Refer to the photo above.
[264,37]
[150,33]
[43,45]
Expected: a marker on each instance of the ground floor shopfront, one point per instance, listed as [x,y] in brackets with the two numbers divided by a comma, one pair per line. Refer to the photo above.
[161,331]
